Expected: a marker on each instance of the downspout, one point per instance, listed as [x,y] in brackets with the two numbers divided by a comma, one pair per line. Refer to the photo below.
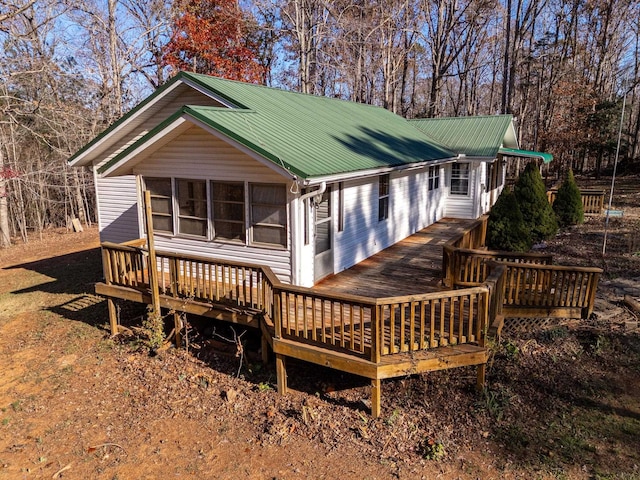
[297,256]
[321,189]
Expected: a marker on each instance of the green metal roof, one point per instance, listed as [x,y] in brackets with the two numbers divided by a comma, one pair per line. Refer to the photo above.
[308,135]
[514,152]
[314,137]
[479,136]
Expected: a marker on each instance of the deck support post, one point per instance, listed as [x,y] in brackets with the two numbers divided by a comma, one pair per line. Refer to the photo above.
[177,322]
[113,316]
[376,397]
[482,370]
[264,349]
[281,373]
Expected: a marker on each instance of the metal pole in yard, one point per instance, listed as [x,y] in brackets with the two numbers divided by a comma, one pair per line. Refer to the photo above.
[615,167]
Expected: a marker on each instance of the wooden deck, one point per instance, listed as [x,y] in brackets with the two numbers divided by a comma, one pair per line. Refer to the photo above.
[388,316]
[411,266]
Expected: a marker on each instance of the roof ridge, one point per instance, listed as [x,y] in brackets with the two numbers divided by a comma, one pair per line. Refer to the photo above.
[277,89]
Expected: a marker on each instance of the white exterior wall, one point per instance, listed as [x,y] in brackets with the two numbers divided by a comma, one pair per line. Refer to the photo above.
[411,208]
[488,197]
[117,209]
[196,154]
[116,198]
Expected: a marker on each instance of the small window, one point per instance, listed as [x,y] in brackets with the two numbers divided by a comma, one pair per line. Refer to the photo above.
[192,207]
[434,178]
[460,179]
[161,203]
[383,197]
[228,211]
[269,214]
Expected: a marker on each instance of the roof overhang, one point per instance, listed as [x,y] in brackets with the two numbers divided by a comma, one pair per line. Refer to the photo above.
[172,127]
[339,177]
[94,150]
[515,152]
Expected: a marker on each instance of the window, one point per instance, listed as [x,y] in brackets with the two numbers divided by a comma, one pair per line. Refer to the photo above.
[269,214]
[227,201]
[223,205]
[383,197]
[460,179]
[192,207]
[434,178]
[161,203]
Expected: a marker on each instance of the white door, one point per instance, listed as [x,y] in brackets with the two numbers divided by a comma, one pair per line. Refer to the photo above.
[323,262]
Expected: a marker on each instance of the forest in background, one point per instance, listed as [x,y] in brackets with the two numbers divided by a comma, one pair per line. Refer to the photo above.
[68,69]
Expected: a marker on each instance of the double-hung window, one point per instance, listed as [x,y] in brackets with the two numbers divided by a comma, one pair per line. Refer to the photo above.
[434,178]
[459,179]
[228,211]
[383,197]
[268,214]
[161,203]
[192,207]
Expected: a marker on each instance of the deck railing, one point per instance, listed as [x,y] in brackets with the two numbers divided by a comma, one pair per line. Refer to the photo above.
[464,267]
[531,286]
[361,326]
[592,199]
[552,289]
[473,236]
[124,265]
[335,321]
[420,322]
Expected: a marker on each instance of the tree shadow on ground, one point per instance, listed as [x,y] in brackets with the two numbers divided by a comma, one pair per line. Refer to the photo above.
[73,274]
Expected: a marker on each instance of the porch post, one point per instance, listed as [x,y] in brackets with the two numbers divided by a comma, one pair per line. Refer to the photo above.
[153,269]
[281,373]
[376,397]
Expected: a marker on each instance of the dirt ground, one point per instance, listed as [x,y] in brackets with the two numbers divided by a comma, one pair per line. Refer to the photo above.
[563,399]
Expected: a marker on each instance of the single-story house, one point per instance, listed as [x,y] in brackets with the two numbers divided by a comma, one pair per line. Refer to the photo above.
[307,185]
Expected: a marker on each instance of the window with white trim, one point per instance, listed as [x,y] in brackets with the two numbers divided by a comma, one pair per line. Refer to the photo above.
[434,178]
[228,212]
[192,207]
[268,214]
[248,213]
[161,203]
[459,179]
[383,197]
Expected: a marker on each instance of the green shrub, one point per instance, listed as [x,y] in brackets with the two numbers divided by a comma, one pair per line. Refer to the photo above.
[531,194]
[568,202]
[506,229]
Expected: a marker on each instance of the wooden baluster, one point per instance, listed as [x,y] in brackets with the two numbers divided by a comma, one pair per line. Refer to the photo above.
[432,324]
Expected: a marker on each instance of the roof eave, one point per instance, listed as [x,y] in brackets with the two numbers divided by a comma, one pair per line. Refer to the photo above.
[371,172]
[118,165]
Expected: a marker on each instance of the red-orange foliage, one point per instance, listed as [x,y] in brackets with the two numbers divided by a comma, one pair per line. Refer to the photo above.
[210,36]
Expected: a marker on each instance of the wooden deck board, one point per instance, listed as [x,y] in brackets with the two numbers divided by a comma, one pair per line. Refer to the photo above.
[411,266]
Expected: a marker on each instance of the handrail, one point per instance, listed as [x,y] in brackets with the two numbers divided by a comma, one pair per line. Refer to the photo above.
[463,267]
[364,326]
[592,199]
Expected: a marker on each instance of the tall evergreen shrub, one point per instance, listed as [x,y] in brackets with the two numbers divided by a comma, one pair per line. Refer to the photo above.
[506,229]
[568,202]
[536,210]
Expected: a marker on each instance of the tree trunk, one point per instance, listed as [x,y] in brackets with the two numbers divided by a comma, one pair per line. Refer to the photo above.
[5,237]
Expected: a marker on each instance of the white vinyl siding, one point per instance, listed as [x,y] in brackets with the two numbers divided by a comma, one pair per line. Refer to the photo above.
[412,207]
[117,209]
[197,154]
[184,95]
